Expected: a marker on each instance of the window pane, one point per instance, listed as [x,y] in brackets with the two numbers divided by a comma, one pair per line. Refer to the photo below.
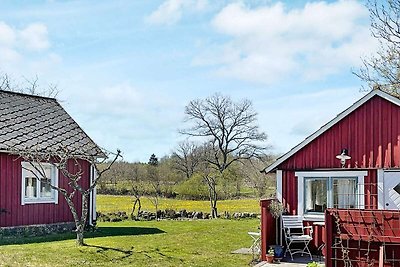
[344,193]
[45,189]
[30,187]
[315,194]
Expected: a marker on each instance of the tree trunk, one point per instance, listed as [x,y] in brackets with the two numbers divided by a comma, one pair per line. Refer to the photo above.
[79,223]
[214,212]
[85,209]
[140,206]
[213,201]
[156,204]
[79,234]
[80,227]
[214,208]
[137,201]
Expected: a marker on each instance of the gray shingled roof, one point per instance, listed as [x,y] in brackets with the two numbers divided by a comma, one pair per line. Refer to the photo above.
[40,123]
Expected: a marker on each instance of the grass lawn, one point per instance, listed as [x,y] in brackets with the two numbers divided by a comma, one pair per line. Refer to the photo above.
[129,243]
[109,203]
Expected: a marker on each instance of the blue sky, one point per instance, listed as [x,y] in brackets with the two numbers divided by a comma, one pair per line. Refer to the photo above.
[126,69]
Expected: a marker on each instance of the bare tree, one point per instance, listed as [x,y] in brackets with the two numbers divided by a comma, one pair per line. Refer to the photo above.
[137,187]
[186,158]
[210,177]
[382,70]
[259,181]
[230,131]
[155,181]
[61,159]
[116,174]
[30,86]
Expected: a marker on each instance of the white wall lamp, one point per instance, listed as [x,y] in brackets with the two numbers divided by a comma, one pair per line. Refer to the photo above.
[343,156]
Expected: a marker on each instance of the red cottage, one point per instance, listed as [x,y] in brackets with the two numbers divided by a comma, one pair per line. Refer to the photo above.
[352,162]
[28,121]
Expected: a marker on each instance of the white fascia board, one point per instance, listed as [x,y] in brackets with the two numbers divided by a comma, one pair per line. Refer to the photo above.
[328,125]
[279,185]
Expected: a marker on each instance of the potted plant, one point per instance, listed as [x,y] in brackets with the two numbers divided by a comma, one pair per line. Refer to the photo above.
[276,209]
[270,255]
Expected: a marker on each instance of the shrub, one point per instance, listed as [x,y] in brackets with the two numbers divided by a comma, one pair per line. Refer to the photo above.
[192,189]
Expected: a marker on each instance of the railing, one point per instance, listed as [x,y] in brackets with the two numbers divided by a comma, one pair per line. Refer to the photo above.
[356,237]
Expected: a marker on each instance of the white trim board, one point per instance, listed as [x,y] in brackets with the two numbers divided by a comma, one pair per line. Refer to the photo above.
[328,125]
[279,185]
[381,201]
[335,174]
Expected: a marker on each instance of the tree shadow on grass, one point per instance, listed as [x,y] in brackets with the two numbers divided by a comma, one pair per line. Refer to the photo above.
[99,232]
[125,253]
[102,249]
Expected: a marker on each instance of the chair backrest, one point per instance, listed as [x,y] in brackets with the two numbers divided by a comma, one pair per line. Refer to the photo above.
[291,222]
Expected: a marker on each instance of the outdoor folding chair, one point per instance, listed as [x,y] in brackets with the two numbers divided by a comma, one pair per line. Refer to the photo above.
[293,229]
[255,247]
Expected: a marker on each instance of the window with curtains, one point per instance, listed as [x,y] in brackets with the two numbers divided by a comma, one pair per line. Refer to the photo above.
[332,192]
[36,180]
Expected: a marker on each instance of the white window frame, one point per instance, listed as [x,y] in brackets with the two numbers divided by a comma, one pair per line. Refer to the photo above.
[27,169]
[301,176]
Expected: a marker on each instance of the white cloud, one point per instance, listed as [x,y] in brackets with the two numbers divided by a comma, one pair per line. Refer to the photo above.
[7,34]
[171,11]
[126,101]
[19,48]
[35,37]
[9,55]
[268,43]
[127,117]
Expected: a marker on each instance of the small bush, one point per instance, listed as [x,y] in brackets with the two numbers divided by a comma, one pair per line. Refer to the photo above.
[192,189]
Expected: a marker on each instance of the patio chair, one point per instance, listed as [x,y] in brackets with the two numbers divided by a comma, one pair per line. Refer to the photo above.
[255,247]
[295,233]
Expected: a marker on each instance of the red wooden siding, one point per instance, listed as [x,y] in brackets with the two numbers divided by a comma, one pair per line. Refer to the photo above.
[363,234]
[10,196]
[289,191]
[371,134]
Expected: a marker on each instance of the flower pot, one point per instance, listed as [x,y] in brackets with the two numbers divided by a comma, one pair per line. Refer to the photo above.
[279,251]
[270,258]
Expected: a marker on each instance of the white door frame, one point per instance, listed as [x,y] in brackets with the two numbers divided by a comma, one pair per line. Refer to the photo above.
[382,190]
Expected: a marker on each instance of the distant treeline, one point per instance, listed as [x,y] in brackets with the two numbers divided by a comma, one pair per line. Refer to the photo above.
[241,180]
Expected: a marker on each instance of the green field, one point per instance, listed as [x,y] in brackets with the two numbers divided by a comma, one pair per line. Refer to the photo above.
[129,243]
[140,243]
[108,203]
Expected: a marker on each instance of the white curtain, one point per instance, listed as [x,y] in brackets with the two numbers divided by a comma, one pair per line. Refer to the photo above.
[345,191]
[309,200]
[30,187]
[315,194]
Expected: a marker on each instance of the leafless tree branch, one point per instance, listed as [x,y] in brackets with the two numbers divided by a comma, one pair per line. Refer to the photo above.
[61,160]
[381,71]
[230,132]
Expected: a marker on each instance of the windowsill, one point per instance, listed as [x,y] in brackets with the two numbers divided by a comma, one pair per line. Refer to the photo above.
[314,217]
[39,201]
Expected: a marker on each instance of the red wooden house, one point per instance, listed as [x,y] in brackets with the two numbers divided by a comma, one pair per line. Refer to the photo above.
[28,121]
[311,177]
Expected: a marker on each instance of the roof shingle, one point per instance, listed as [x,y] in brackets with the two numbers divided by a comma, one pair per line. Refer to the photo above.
[28,122]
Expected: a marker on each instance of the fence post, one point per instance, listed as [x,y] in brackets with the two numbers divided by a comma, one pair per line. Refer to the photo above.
[264,210]
[268,227]
[328,238]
